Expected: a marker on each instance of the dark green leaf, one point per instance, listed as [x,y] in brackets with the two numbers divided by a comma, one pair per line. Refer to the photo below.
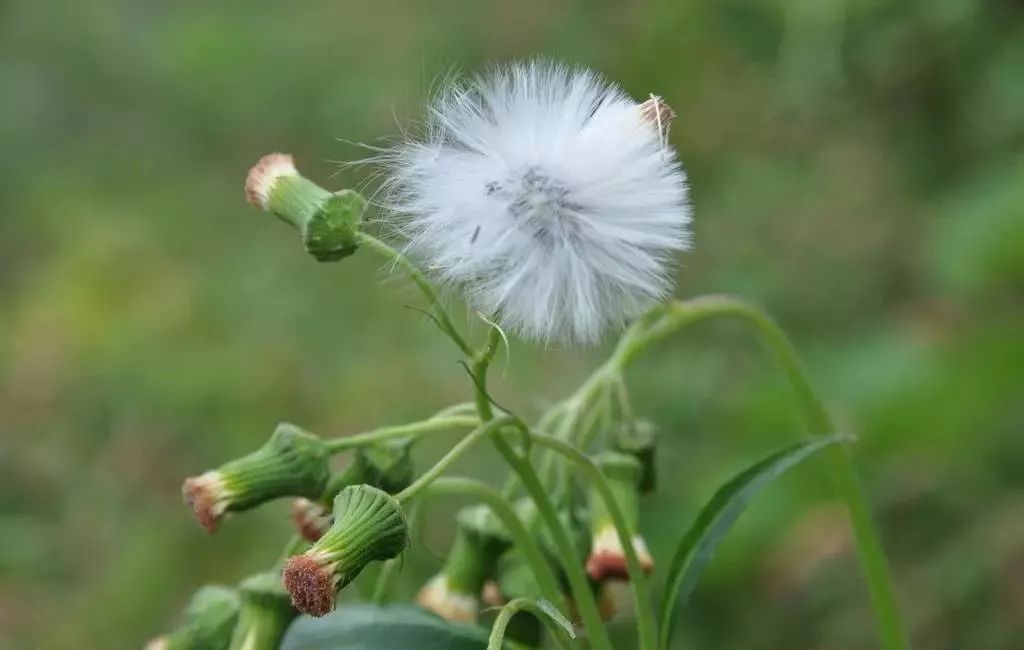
[715,520]
[371,627]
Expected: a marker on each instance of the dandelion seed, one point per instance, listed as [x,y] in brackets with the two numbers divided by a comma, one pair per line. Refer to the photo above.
[547,196]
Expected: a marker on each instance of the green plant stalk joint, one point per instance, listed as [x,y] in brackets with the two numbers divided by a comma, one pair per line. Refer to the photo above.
[292,462]
[265,614]
[369,525]
[207,622]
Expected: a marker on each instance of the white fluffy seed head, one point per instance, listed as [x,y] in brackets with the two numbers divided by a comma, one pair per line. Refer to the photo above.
[547,196]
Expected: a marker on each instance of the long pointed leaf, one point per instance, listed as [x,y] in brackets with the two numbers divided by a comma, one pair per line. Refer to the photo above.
[715,520]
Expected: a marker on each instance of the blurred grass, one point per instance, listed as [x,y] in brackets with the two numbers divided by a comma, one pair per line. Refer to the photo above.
[856,168]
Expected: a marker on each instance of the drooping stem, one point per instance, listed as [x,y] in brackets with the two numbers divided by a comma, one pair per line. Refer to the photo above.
[430,425]
[646,631]
[437,310]
[512,608]
[668,319]
[521,538]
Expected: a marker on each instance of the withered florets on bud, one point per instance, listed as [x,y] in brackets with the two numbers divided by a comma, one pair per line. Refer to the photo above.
[264,174]
[607,560]
[369,525]
[292,462]
[311,519]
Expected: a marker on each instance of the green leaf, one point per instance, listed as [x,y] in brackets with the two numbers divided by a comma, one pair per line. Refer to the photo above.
[715,520]
[371,627]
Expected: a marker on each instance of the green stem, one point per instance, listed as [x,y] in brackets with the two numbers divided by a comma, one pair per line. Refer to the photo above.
[674,316]
[453,455]
[430,425]
[647,634]
[420,280]
[521,537]
[480,362]
[515,606]
[572,563]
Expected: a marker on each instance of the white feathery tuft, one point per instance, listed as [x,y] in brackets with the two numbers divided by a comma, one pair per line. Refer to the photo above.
[547,196]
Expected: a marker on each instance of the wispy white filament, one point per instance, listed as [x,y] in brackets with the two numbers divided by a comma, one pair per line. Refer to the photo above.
[547,196]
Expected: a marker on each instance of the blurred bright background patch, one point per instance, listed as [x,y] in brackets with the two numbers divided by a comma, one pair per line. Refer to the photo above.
[856,168]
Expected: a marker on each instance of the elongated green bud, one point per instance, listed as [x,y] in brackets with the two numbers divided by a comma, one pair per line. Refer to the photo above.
[638,438]
[369,525]
[292,463]
[265,614]
[328,221]
[480,540]
[607,561]
[206,623]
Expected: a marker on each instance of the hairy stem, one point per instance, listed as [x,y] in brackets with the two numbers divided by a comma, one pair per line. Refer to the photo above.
[437,310]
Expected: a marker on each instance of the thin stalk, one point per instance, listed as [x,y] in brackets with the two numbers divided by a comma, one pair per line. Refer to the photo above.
[674,316]
[480,362]
[646,630]
[515,606]
[401,261]
[453,455]
[522,540]
[430,425]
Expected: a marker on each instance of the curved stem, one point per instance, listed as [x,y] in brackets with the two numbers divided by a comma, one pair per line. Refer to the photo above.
[430,425]
[453,454]
[647,634]
[480,362]
[666,320]
[521,538]
[512,608]
[437,310]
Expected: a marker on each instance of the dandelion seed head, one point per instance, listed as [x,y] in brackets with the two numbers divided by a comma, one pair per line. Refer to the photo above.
[547,196]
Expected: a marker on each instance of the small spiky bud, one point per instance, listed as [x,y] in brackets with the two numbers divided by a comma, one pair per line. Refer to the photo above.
[369,525]
[292,463]
[206,623]
[607,560]
[638,438]
[265,614]
[479,543]
[328,221]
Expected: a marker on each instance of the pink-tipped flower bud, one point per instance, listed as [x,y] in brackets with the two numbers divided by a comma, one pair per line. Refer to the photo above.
[607,560]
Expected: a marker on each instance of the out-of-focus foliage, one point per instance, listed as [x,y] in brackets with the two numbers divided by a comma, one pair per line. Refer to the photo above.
[856,167]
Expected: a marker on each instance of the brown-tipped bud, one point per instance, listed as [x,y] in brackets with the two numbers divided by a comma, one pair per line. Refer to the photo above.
[368,525]
[292,463]
[655,111]
[329,221]
[264,175]
[311,519]
[607,560]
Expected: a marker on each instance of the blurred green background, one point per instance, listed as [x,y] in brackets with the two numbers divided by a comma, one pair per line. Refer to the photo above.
[856,168]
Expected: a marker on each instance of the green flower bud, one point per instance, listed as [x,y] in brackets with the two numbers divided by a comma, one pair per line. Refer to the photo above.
[480,540]
[265,615]
[207,621]
[368,525]
[387,465]
[292,463]
[607,561]
[639,439]
[329,222]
